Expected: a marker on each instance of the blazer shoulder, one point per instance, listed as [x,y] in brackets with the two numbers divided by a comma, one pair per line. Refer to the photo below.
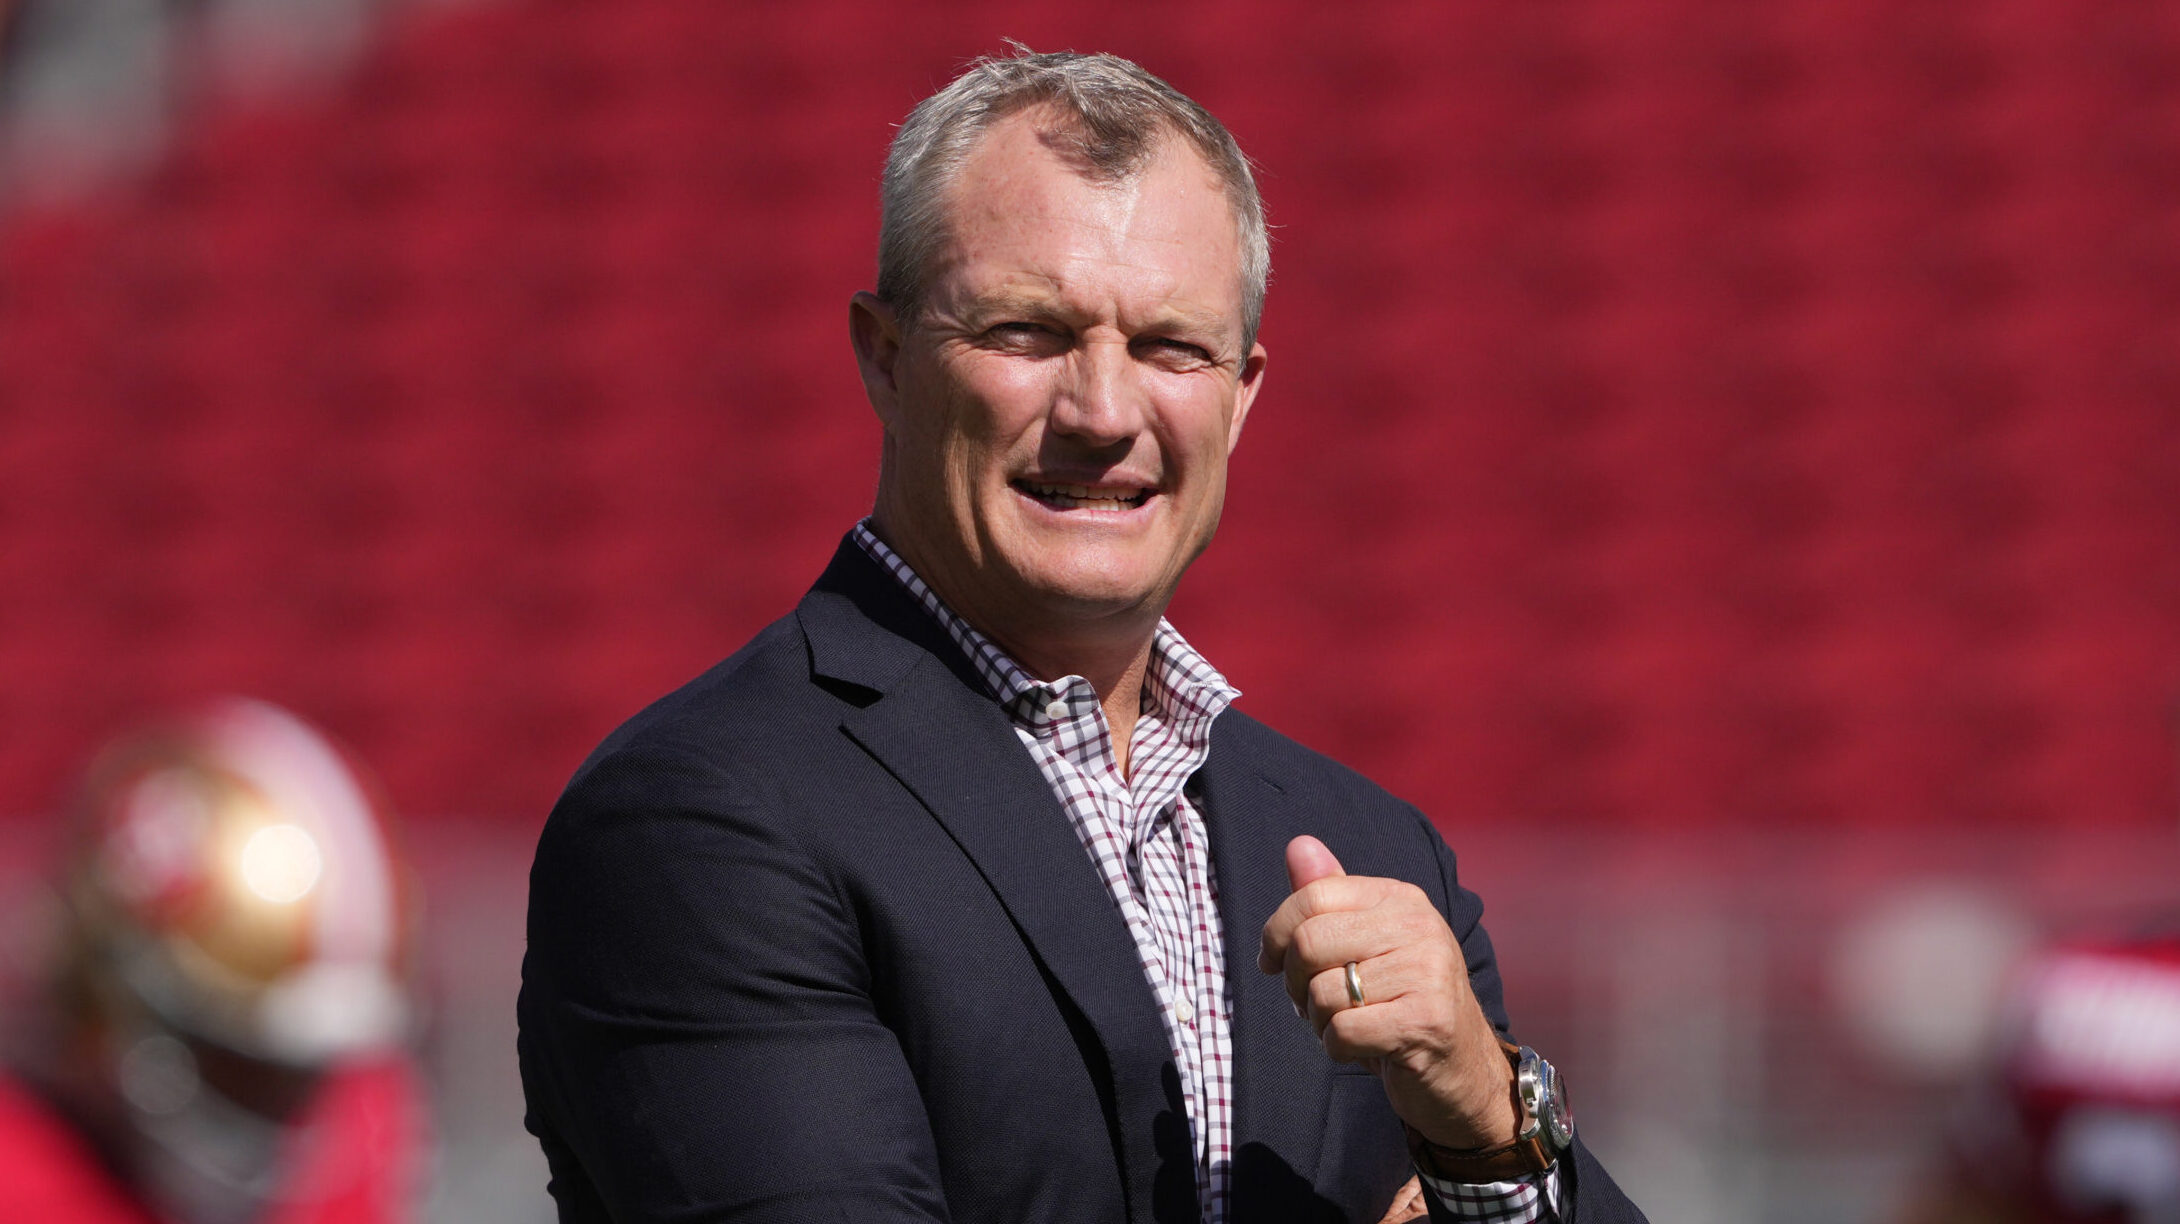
[740,712]
[1291,765]
[723,755]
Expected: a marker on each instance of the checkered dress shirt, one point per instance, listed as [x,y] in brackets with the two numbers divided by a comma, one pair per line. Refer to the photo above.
[1149,845]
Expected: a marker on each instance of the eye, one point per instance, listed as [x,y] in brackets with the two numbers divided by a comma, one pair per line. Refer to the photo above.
[1024,336]
[1175,353]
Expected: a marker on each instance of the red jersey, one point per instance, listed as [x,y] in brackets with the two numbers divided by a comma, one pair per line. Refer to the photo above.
[353,1158]
[2083,1117]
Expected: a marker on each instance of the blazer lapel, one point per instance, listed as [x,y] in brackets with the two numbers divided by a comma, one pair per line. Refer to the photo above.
[936,731]
[1282,1078]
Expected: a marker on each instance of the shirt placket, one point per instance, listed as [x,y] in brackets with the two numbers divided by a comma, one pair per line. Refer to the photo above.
[1082,745]
[1208,981]
[1170,875]
[1197,935]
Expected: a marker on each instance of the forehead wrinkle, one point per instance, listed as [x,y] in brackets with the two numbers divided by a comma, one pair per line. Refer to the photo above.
[1103,250]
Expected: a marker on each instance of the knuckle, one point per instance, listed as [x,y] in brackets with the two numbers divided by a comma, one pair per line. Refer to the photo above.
[1443,957]
[1320,896]
[1327,992]
[1343,1035]
[1298,980]
[1309,941]
[1299,942]
[1335,1045]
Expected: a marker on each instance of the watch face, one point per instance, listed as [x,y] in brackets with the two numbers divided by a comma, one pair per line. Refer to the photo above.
[1558,1114]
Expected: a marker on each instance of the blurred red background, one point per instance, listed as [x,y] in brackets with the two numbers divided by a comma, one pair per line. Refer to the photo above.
[1741,435]
[1681,413]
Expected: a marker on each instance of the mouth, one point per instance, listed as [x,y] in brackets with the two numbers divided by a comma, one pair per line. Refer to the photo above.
[1113,498]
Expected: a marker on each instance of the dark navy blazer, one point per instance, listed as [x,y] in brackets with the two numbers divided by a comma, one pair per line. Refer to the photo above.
[811,939]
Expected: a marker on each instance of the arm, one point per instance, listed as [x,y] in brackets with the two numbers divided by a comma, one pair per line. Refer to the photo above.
[697,1037]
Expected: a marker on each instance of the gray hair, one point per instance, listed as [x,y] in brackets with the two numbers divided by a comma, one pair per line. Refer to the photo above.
[1117,113]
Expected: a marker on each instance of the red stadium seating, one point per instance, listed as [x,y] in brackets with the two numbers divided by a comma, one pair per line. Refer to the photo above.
[1682,415]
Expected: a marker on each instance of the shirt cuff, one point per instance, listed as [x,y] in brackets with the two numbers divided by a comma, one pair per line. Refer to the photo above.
[1530,1200]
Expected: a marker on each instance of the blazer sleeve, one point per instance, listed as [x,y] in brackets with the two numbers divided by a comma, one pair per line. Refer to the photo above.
[698,1041]
[1587,1193]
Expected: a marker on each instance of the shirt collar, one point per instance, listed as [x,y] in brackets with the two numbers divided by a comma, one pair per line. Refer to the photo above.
[1179,684]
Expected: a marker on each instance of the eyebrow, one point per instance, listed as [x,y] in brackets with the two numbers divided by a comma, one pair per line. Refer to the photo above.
[1009,302]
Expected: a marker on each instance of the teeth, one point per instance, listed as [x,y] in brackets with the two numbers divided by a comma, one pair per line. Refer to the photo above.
[1083,497]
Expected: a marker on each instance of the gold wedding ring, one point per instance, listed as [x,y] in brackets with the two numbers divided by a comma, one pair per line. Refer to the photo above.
[1354,986]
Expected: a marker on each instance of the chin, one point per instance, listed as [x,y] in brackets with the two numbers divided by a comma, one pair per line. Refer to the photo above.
[1092,590]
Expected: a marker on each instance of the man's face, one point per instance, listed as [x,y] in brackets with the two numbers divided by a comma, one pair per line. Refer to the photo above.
[1058,417]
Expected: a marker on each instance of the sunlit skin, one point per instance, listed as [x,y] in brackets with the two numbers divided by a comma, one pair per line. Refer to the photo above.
[1058,419]
[1074,334]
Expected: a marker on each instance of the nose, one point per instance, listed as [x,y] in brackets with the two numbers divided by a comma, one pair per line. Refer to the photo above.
[1103,402]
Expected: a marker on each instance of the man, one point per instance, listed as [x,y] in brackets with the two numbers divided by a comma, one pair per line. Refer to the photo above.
[961,893]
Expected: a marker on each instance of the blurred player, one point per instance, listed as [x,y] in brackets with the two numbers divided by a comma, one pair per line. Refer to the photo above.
[2079,1118]
[226,1006]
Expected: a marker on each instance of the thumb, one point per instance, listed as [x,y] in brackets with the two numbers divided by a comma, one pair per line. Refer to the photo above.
[1308,861]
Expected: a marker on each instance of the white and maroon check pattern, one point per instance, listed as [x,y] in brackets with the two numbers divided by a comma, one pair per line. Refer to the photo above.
[1149,844]
[1507,1202]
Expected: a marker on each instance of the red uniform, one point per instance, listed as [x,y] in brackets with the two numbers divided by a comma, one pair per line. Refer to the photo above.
[352,1158]
[2085,1124]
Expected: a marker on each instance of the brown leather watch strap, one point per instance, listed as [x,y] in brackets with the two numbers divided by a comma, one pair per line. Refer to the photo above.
[1507,1162]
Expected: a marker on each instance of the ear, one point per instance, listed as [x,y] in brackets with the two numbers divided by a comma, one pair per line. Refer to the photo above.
[1252,381]
[875,330]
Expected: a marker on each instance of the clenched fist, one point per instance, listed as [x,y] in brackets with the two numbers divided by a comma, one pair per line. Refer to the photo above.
[1418,1027]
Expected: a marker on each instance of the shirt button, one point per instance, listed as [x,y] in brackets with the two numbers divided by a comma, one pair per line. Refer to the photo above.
[1056,711]
[1183,1012]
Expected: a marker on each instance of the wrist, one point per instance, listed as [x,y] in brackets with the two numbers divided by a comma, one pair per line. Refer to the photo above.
[1543,1130]
[1492,1115]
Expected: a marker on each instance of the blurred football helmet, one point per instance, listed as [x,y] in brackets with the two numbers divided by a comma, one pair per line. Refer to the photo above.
[236,922]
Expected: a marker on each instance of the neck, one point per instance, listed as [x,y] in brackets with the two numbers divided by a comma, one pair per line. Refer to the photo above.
[1111,650]
[1114,670]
